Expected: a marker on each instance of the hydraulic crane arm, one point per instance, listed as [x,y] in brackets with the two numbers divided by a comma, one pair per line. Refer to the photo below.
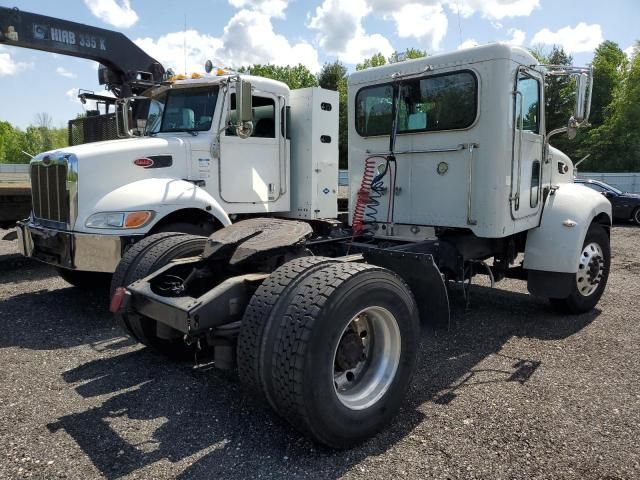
[125,68]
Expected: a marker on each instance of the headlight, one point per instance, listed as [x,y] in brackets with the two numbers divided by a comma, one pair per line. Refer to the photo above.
[119,220]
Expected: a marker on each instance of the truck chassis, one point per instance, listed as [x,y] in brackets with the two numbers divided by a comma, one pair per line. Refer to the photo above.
[322,324]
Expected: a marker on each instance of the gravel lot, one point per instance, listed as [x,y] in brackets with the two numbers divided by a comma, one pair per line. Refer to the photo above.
[513,391]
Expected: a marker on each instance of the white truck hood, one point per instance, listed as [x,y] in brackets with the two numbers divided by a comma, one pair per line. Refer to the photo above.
[103,167]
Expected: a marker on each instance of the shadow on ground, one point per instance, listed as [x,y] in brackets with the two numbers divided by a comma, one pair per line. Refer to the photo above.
[202,417]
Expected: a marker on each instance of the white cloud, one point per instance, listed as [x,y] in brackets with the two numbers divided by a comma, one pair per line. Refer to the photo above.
[72,95]
[114,12]
[517,37]
[470,43]
[65,73]
[248,38]
[170,52]
[630,51]
[494,9]
[273,8]
[427,23]
[8,66]
[341,32]
[581,38]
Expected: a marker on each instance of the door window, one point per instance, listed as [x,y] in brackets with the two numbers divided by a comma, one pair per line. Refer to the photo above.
[529,114]
[264,117]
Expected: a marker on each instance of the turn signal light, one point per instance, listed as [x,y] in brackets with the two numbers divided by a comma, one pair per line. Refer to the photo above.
[136,219]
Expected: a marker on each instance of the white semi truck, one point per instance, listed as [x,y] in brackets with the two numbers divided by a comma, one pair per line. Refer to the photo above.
[219,221]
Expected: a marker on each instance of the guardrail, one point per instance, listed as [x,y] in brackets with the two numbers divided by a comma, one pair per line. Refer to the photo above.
[14,168]
[625,181]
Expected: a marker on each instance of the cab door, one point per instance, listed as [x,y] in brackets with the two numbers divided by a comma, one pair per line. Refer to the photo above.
[531,169]
[250,167]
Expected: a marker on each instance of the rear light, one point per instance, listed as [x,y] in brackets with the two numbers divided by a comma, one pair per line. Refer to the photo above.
[117,300]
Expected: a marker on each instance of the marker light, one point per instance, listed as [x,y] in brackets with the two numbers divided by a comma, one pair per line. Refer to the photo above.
[136,219]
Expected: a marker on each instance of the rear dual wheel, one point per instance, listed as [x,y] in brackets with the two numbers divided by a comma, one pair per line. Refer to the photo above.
[339,354]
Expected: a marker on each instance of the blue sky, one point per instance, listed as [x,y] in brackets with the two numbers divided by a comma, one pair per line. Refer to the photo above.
[241,32]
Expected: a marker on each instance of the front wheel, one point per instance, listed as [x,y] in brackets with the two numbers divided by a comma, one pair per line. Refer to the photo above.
[636,216]
[592,275]
[144,258]
[345,352]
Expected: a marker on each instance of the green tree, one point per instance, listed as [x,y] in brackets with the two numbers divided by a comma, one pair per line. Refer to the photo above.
[408,54]
[296,76]
[608,69]
[333,76]
[376,60]
[615,144]
[10,144]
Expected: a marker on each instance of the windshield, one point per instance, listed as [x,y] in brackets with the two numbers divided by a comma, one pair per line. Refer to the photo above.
[614,189]
[182,110]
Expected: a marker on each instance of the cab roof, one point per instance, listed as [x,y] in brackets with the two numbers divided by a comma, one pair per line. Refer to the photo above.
[259,83]
[492,51]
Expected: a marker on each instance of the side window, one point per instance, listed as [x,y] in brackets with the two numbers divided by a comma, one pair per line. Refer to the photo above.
[529,115]
[373,110]
[535,184]
[264,117]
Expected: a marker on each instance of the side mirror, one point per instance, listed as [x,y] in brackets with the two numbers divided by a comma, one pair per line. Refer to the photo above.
[581,96]
[572,128]
[244,109]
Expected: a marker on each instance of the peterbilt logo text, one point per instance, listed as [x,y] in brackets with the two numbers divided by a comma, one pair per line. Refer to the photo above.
[68,37]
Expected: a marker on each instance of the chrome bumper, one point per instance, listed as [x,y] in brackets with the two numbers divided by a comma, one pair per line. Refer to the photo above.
[77,251]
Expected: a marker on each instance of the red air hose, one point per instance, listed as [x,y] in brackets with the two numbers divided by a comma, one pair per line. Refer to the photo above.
[362,197]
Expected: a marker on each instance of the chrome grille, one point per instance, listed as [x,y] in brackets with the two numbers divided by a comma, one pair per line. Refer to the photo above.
[50,189]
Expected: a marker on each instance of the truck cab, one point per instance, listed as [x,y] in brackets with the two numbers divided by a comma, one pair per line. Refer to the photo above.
[187,168]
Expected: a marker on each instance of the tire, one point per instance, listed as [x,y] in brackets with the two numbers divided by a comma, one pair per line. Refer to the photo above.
[636,216]
[266,307]
[85,280]
[141,260]
[592,275]
[315,351]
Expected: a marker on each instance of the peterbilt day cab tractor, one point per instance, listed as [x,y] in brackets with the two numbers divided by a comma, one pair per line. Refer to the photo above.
[451,175]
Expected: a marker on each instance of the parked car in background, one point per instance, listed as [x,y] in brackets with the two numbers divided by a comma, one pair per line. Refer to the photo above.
[625,206]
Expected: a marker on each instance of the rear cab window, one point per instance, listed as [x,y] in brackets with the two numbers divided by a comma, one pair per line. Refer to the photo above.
[439,102]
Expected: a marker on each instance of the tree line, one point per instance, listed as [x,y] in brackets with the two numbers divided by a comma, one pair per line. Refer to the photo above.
[17,145]
[612,141]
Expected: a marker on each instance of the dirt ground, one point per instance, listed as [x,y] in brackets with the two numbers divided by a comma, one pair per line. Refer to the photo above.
[514,390]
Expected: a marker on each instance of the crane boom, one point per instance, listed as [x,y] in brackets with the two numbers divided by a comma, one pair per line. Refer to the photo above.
[125,68]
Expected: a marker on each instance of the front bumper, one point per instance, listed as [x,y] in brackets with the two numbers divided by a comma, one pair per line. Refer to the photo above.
[76,251]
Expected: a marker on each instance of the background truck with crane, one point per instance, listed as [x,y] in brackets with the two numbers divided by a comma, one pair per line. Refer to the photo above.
[451,175]
[125,70]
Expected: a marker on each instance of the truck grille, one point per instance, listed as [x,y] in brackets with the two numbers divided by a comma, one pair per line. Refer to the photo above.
[49,192]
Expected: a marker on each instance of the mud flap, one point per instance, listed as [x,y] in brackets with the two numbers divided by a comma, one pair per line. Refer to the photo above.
[424,279]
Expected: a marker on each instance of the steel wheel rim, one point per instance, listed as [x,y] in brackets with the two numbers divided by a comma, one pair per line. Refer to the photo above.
[636,216]
[362,385]
[590,269]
